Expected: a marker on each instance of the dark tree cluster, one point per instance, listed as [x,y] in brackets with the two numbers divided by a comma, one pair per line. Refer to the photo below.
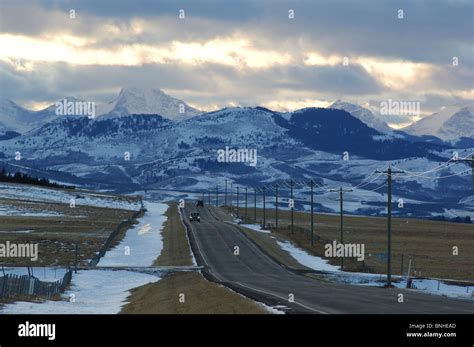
[19,177]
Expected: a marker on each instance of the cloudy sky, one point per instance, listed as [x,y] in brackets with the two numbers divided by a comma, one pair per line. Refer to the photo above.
[240,52]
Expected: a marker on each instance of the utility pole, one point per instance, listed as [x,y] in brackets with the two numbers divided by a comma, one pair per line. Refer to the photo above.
[341,207]
[231,198]
[255,205]
[264,208]
[217,195]
[389,172]
[472,166]
[311,184]
[208,196]
[203,196]
[225,194]
[245,215]
[291,197]
[276,207]
[238,211]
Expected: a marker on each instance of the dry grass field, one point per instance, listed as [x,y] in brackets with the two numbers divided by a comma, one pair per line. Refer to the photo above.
[57,229]
[429,244]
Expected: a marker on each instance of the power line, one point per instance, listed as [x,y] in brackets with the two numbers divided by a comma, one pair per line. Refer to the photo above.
[362,184]
[440,167]
[374,190]
[460,174]
[471,160]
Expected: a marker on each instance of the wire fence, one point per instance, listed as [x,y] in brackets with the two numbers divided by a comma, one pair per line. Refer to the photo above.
[12,285]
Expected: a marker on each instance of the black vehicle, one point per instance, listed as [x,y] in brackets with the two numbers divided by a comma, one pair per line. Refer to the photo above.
[194,217]
[200,203]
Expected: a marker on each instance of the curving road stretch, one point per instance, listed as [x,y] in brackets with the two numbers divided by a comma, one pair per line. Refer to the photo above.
[256,275]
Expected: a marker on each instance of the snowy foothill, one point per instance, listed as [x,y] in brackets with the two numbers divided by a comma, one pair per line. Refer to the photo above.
[24,192]
[432,286]
[92,292]
[143,242]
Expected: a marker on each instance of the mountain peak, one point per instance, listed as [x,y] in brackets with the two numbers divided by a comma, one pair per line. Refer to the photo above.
[450,123]
[136,100]
[363,115]
[137,91]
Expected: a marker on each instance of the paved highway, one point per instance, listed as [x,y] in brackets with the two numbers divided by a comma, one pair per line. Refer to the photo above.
[255,274]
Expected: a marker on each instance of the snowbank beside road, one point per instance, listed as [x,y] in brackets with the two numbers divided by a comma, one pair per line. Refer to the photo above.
[255,227]
[143,242]
[308,260]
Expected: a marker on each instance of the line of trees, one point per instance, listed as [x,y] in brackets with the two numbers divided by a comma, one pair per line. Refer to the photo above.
[458,219]
[19,177]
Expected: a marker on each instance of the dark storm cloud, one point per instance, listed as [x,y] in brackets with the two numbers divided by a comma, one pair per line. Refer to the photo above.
[229,10]
[57,79]
[432,32]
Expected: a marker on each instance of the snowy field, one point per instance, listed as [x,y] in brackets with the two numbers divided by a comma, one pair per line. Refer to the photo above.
[23,192]
[10,210]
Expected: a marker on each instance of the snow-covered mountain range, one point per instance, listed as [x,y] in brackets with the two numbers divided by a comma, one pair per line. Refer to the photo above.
[451,123]
[16,118]
[126,152]
[129,101]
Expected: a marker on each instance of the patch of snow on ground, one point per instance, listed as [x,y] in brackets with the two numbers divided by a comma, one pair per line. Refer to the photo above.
[144,240]
[431,286]
[377,280]
[271,309]
[95,291]
[308,260]
[256,227]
